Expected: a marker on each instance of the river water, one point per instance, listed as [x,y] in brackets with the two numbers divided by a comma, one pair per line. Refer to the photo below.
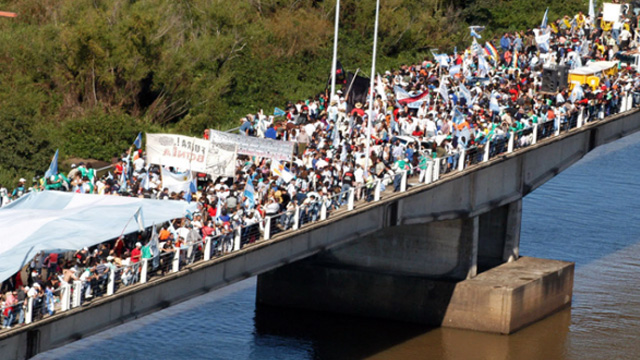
[590,214]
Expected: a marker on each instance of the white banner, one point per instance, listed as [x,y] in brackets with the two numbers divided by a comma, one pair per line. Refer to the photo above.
[253,146]
[611,12]
[222,159]
[183,152]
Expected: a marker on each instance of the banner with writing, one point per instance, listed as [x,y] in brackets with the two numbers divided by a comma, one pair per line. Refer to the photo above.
[253,146]
[183,152]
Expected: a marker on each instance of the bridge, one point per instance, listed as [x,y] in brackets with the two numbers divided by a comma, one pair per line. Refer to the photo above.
[444,250]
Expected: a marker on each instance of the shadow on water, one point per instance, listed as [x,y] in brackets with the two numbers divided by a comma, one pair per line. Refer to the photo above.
[333,336]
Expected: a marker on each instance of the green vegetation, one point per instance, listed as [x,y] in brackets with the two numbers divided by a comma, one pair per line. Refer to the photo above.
[85,76]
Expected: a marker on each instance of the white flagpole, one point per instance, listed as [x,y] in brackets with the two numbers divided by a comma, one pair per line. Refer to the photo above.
[334,65]
[371,90]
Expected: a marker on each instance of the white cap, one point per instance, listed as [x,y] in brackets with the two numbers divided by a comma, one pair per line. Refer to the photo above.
[138,244]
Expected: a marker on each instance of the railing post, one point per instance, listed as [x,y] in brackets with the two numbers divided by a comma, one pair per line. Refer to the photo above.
[623,104]
[296,218]
[207,248]
[351,194]
[111,282]
[535,134]
[462,159]
[77,293]
[143,271]
[487,147]
[28,314]
[557,123]
[176,261]
[601,112]
[403,181]
[580,118]
[512,137]
[236,238]
[65,297]
[630,101]
[323,210]
[267,228]
[428,178]
[377,190]
[436,169]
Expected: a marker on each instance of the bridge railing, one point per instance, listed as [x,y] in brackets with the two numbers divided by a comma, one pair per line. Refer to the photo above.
[321,208]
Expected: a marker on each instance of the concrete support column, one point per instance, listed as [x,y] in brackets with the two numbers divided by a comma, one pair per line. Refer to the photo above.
[512,236]
[237,237]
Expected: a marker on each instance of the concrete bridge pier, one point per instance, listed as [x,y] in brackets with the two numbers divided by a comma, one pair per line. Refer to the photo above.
[428,273]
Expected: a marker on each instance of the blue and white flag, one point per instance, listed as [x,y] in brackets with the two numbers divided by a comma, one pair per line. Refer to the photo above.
[483,66]
[193,188]
[465,93]
[592,12]
[53,167]
[475,30]
[576,94]
[458,116]
[443,91]
[138,141]
[545,19]
[60,221]
[455,70]
[493,103]
[278,112]
[249,193]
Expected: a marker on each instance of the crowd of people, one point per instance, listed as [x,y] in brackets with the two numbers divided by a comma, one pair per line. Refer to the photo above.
[439,109]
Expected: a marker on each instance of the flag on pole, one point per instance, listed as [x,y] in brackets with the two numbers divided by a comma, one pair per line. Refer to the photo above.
[278,112]
[491,50]
[443,91]
[465,93]
[483,66]
[139,220]
[193,188]
[380,88]
[475,30]
[154,247]
[545,19]
[278,169]
[592,12]
[404,98]
[138,141]
[53,167]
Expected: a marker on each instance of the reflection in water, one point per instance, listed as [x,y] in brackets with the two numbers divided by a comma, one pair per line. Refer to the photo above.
[590,214]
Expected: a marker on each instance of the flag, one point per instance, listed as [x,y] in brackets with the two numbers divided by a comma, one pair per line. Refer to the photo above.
[491,50]
[219,208]
[404,98]
[359,89]
[278,112]
[193,188]
[476,48]
[455,70]
[458,116]
[483,66]
[442,59]
[475,30]
[249,193]
[592,12]
[278,169]
[542,39]
[138,141]
[545,19]
[154,247]
[53,167]
[380,88]
[443,91]
[465,93]
[145,181]
[493,103]
[176,182]
[139,220]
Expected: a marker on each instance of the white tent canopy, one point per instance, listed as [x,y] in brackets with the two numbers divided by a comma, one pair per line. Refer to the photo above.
[60,221]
